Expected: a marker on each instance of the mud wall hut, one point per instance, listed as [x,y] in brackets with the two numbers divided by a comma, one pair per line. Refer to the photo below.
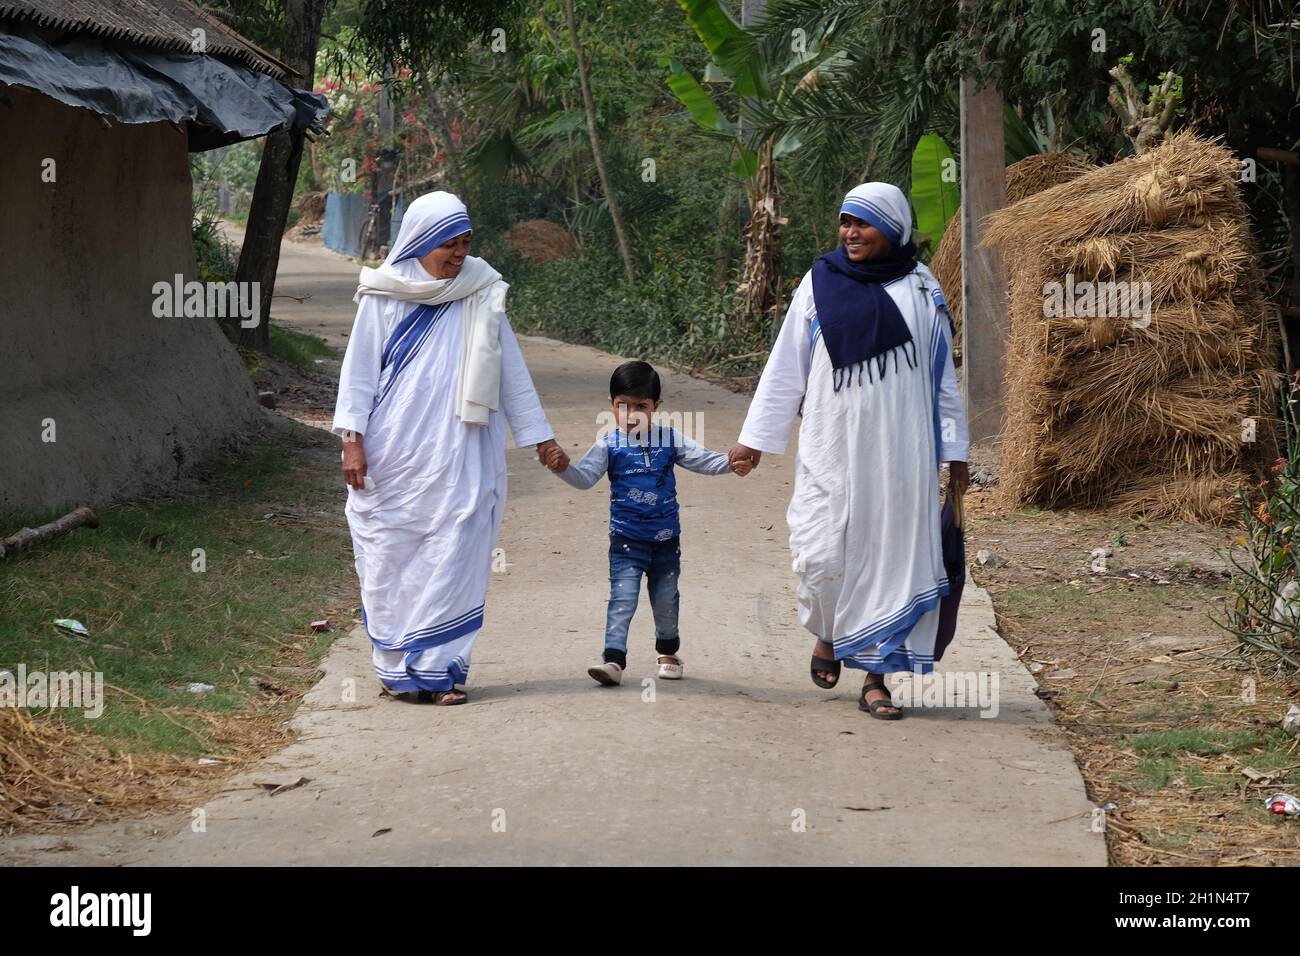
[101,102]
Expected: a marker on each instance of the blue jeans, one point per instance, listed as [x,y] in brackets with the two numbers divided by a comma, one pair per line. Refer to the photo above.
[661,563]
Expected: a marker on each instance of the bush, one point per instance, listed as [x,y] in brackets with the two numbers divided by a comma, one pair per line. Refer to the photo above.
[1266,613]
[216,256]
[675,312]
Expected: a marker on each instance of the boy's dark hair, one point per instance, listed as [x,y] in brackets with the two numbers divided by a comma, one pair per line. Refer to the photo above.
[638,379]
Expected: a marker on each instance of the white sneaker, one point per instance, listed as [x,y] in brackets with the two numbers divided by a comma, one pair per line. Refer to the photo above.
[673,670]
[609,674]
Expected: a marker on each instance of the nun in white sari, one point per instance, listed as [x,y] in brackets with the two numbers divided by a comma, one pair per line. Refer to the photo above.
[432,375]
[865,354]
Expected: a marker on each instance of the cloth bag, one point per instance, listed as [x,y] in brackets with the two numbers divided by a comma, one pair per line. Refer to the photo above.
[953,539]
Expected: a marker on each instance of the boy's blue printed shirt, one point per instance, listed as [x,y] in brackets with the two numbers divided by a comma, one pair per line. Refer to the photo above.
[642,489]
[642,485]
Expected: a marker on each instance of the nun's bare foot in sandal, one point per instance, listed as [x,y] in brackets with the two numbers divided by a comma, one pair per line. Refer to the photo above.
[877,700]
[825,668]
[444,698]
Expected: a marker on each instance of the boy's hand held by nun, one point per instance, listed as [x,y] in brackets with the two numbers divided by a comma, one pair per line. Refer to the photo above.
[743,459]
[550,454]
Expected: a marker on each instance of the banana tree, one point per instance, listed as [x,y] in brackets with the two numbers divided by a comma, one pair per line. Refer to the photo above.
[752,73]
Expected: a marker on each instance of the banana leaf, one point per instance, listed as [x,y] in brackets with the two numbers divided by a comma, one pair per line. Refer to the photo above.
[730,47]
[934,199]
[696,98]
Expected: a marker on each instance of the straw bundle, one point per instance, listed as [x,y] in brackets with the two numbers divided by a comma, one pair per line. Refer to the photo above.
[1030,175]
[1151,409]
[540,240]
[50,776]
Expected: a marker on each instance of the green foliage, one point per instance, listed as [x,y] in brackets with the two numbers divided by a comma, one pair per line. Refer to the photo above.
[215,256]
[233,166]
[299,348]
[729,47]
[428,37]
[935,195]
[675,313]
[1018,138]
[846,89]
[696,99]
[1265,614]
[892,73]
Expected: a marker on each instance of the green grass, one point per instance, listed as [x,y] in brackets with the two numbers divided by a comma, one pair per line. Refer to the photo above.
[1177,838]
[1202,742]
[299,348]
[1153,605]
[1158,772]
[156,624]
[1043,599]
[1164,756]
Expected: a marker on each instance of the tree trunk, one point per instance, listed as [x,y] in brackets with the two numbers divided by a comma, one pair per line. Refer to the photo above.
[584,80]
[722,255]
[758,297]
[450,151]
[278,173]
[1146,123]
[387,164]
[751,11]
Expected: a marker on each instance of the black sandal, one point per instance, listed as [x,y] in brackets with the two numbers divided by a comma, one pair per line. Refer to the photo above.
[872,707]
[825,666]
[439,697]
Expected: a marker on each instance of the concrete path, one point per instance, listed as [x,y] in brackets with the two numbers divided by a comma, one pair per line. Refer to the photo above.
[744,762]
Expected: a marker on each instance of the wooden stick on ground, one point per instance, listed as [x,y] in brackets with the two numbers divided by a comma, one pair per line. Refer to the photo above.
[28,537]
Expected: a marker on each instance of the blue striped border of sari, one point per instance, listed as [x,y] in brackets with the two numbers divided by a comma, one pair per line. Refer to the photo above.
[432,636]
[895,625]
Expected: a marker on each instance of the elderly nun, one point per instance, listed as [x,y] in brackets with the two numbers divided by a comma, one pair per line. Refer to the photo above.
[432,375]
[866,354]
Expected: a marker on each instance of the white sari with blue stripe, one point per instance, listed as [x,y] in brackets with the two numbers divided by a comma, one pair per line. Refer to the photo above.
[864,516]
[423,536]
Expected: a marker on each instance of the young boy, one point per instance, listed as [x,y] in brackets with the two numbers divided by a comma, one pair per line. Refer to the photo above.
[643,526]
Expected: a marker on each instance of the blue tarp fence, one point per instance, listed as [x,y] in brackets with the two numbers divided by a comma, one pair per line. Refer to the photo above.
[344,215]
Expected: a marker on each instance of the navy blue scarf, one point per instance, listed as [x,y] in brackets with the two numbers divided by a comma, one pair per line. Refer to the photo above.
[860,323]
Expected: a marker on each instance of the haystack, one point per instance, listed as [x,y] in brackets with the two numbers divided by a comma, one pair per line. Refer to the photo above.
[1026,177]
[1164,410]
[540,240]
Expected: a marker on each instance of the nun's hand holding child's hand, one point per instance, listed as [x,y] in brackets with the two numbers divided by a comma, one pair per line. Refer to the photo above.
[744,459]
[552,456]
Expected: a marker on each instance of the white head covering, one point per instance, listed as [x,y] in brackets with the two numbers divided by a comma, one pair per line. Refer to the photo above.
[428,222]
[882,205]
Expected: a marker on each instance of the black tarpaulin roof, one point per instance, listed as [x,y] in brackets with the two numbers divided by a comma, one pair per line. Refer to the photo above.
[220,101]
